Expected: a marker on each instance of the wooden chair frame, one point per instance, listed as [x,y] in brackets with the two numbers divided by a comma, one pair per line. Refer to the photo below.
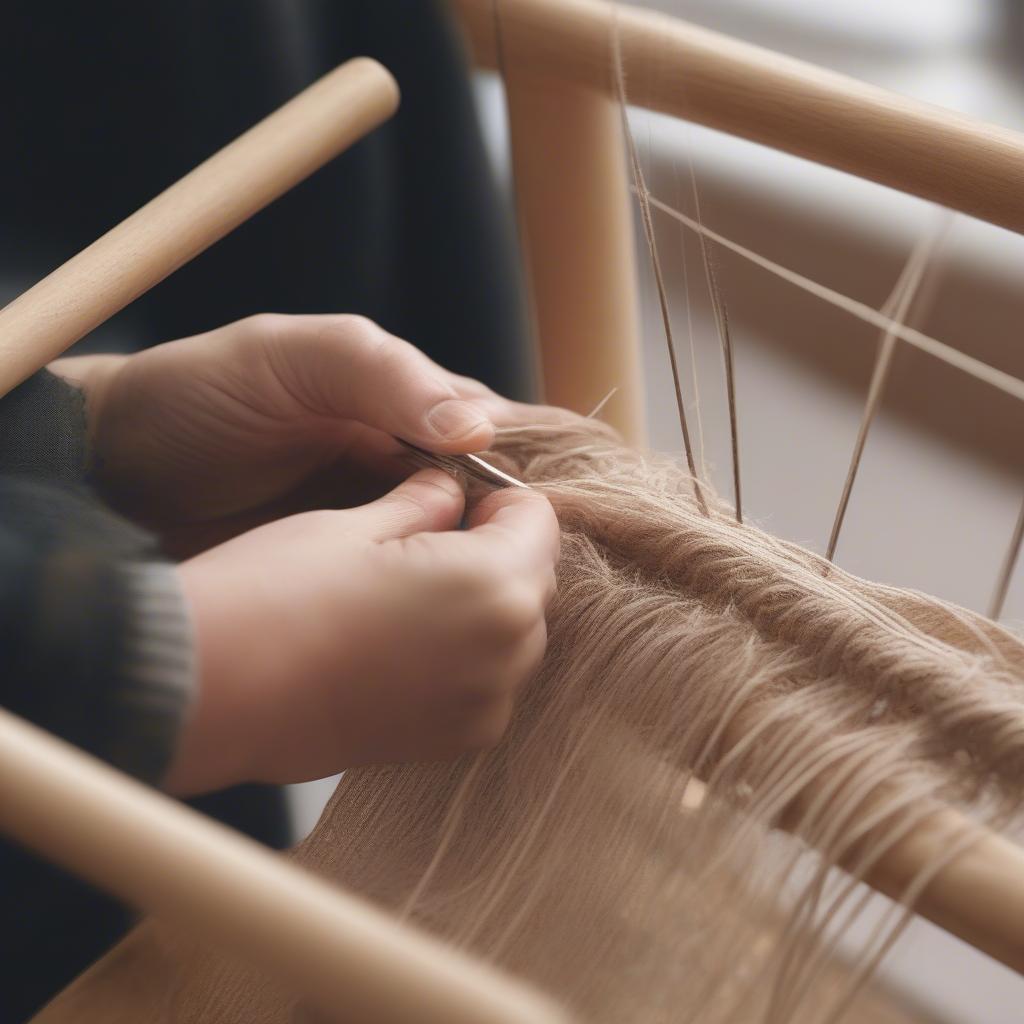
[576,227]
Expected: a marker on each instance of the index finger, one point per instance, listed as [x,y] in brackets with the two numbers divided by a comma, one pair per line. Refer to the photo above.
[522,522]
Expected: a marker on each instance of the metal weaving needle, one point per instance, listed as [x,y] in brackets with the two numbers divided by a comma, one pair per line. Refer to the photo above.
[469,465]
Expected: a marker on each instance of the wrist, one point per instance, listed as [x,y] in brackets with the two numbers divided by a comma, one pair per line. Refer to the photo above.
[119,423]
[157,674]
[94,376]
[211,752]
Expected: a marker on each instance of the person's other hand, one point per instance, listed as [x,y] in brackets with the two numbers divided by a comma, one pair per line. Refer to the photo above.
[205,437]
[380,633]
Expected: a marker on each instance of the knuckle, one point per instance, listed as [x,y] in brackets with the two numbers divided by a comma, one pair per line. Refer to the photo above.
[536,652]
[498,609]
[266,325]
[513,611]
[374,343]
[358,328]
[364,342]
[381,355]
[550,586]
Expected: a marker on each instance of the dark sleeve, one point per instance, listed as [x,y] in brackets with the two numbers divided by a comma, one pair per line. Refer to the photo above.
[93,646]
[94,639]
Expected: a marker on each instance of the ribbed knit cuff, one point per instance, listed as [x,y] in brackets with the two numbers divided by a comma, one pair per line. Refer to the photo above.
[157,677]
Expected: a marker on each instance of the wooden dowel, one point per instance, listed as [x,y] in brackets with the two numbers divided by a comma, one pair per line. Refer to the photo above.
[970,878]
[709,78]
[192,214]
[576,232]
[344,956]
[978,896]
[976,888]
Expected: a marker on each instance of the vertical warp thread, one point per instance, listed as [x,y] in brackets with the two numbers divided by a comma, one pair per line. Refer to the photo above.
[721,318]
[976,368]
[652,246]
[690,338]
[898,305]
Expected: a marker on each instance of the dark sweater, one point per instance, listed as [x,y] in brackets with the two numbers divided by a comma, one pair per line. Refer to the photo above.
[93,645]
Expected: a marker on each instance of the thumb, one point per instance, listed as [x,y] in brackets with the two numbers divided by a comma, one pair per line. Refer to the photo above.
[346,367]
[429,501]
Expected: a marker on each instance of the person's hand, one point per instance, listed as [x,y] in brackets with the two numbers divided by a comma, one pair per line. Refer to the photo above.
[205,437]
[334,638]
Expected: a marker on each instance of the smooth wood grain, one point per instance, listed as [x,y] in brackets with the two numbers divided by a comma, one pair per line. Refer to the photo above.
[130,985]
[978,896]
[343,955]
[192,214]
[703,76]
[576,231]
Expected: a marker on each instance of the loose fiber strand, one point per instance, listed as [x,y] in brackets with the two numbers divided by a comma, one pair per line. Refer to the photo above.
[721,318]
[899,305]
[940,350]
[643,196]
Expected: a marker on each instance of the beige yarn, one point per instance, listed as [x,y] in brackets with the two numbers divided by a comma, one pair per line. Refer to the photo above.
[583,854]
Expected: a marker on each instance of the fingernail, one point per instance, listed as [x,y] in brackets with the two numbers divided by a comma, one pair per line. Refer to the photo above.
[454,419]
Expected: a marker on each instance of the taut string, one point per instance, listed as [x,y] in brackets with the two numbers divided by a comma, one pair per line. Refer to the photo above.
[899,302]
[940,350]
[995,609]
[640,187]
[725,340]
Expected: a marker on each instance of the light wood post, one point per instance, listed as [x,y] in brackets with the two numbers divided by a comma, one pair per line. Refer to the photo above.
[576,231]
[709,78]
[348,959]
